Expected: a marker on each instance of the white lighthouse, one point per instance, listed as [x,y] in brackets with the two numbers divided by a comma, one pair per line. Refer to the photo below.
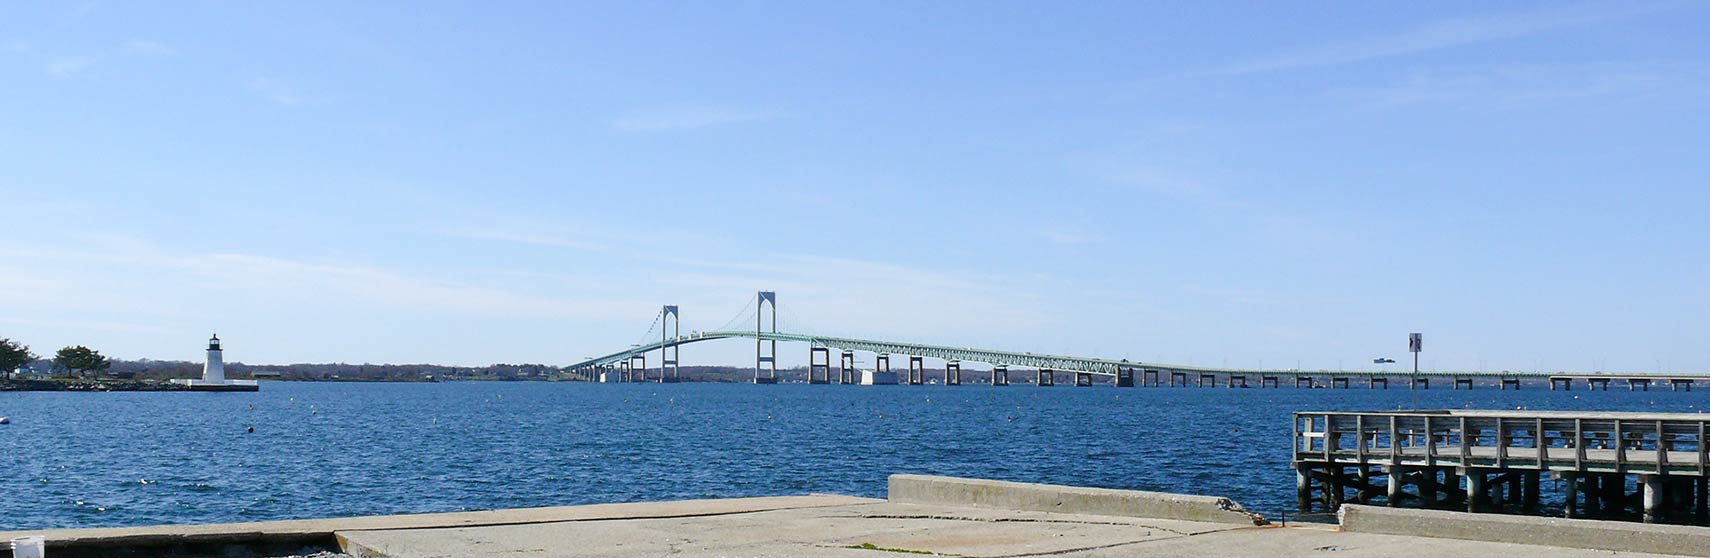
[214,370]
[214,373]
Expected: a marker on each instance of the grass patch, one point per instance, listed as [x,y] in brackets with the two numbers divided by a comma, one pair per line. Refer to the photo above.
[871,546]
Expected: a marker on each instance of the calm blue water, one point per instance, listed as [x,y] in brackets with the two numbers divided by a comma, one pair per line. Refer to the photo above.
[326,449]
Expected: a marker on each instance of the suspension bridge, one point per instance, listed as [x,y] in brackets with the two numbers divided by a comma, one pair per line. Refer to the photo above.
[630,364]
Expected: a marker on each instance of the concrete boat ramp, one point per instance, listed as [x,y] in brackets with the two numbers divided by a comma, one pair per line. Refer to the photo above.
[921,515]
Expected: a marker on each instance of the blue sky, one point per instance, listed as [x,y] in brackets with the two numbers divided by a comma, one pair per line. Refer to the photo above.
[465,183]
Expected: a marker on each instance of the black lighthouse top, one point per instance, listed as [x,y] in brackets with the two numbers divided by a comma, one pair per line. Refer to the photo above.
[214,343]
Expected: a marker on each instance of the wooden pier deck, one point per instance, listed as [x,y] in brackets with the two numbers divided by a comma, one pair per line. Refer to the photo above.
[1641,465]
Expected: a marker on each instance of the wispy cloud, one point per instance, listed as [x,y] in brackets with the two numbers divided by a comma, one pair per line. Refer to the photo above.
[148,48]
[67,66]
[533,237]
[1438,35]
[64,66]
[1070,238]
[1532,84]
[275,90]
[684,117]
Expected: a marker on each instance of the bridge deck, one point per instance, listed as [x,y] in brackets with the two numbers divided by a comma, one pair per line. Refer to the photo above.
[1065,363]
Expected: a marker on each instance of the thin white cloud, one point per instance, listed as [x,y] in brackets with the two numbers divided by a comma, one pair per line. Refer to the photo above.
[67,66]
[684,118]
[1533,84]
[92,325]
[148,48]
[1069,238]
[1438,35]
[276,91]
[533,237]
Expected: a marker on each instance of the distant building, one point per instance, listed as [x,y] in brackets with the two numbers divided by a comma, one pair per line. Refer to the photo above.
[214,373]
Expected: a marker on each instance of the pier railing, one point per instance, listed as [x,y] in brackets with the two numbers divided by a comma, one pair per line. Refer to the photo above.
[1668,444]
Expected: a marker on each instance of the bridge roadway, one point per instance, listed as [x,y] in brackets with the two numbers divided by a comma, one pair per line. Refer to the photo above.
[1059,363]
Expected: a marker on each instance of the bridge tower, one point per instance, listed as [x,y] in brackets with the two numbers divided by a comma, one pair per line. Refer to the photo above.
[765,350]
[846,372]
[670,331]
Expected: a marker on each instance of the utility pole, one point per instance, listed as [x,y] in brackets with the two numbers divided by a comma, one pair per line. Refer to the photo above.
[1414,342]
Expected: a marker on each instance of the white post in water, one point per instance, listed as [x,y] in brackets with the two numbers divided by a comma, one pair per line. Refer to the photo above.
[215,369]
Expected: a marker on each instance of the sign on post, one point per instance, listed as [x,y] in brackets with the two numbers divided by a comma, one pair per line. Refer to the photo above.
[1413,342]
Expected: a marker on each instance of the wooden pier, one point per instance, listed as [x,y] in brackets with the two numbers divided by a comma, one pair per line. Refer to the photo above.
[1649,466]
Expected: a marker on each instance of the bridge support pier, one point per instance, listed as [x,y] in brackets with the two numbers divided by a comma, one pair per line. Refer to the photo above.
[916,370]
[819,365]
[638,374]
[1566,383]
[1506,382]
[1644,383]
[1302,380]
[846,372]
[953,373]
[1124,377]
[882,364]
[1269,380]
[1678,383]
[1178,375]
[1083,379]
[1463,381]
[1591,384]
[1207,376]
[1046,378]
[1373,381]
[1149,378]
[1420,383]
[1000,375]
[1237,378]
[1339,382]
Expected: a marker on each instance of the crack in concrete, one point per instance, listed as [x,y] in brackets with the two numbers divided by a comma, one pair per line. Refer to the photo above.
[1025,520]
[1114,545]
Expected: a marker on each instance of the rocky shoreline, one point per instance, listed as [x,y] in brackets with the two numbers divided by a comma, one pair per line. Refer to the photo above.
[90,385]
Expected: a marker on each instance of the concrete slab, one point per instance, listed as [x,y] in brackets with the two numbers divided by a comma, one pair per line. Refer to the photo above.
[925,489]
[1571,533]
[831,531]
[893,529]
[311,529]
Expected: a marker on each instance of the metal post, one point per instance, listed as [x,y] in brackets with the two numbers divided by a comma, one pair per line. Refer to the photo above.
[1653,498]
[1475,490]
[1570,504]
